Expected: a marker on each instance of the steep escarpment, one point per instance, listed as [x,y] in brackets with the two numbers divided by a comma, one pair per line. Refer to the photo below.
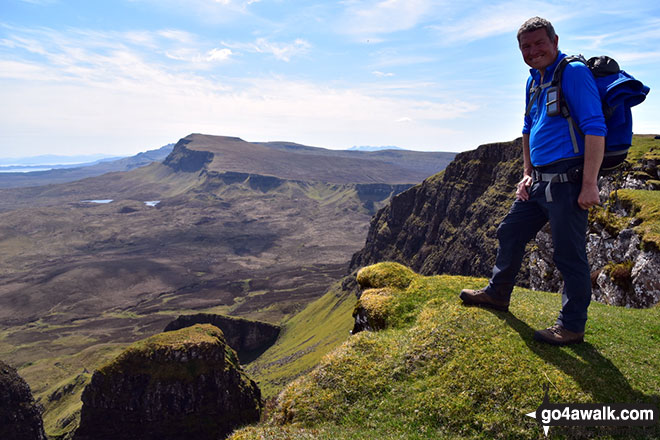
[187,160]
[176,385]
[448,222]
[249,338]
[20,416]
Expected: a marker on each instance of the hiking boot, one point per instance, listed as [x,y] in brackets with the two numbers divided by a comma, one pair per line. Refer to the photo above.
[558,335]
[481,298]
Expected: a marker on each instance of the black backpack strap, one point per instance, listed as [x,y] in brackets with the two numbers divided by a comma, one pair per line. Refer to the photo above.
[557,77]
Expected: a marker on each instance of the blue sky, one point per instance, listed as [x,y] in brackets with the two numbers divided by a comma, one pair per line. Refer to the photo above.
[123,76]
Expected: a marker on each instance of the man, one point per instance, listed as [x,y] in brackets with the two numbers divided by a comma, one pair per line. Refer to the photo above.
[541,195]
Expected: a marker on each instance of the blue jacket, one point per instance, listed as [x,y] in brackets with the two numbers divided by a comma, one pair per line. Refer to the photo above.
[549,136]
[620,91]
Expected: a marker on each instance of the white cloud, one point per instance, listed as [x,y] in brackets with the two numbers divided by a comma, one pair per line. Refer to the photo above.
[208,11]
[366,17]
[281,51]
[102,87]
[177,35]
[476,23]
[382,74]
[219,54]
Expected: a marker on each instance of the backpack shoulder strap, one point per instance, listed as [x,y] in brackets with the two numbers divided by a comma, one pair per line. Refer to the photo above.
[533,92]
[557,77]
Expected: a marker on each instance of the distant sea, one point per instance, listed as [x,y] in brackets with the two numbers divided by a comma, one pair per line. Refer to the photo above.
[18,169]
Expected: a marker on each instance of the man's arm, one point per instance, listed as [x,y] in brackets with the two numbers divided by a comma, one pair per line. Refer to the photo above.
[594,149]
[526,182]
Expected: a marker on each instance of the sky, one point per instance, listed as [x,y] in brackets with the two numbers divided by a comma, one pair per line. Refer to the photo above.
[123,76]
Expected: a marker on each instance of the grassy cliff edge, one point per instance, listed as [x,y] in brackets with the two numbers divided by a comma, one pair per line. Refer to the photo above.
[439,369]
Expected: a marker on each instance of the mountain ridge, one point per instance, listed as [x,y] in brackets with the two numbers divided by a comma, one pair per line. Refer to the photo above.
[311,163]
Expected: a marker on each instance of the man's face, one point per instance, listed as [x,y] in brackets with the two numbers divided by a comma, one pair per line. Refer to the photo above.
[538,50]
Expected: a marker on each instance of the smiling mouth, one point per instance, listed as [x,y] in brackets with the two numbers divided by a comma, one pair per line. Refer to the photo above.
[537,59]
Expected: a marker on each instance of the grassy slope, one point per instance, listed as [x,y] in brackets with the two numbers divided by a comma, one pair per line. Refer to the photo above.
[60,382]
[304,340]
[442,370]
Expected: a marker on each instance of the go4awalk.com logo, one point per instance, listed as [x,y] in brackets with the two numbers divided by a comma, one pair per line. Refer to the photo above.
[594,414]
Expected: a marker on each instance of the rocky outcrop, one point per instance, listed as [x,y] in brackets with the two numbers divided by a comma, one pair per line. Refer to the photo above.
[20,416]
[177,385]
[249,338]
[186,160]
[624,272]
[447,224]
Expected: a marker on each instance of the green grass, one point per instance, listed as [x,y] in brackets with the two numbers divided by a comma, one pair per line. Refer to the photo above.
[304,339]
[645,206]
[644,146]
[49,376]
[442,370]
[64,404]
[139,355]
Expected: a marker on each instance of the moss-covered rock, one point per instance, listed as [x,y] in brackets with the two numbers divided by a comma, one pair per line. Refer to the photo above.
[175,385]
[387,274]
[20,416]
[372,309]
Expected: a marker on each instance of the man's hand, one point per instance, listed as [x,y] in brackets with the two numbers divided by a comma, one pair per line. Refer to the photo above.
[594,148]
[589,196]
[521,191]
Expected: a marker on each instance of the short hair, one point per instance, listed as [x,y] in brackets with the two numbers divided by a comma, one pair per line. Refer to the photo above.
[536,23]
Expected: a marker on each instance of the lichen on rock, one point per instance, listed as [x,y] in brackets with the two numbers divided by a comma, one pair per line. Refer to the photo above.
[175,385]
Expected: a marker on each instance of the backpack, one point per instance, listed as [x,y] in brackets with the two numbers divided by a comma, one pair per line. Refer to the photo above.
[618,93]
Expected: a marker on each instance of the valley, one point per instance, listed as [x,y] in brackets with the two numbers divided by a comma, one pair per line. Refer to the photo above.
[81,280]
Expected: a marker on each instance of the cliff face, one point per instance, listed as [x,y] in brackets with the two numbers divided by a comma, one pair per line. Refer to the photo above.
[20,417]
[248,338]
[447,224]
[176,385]
[186,160]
